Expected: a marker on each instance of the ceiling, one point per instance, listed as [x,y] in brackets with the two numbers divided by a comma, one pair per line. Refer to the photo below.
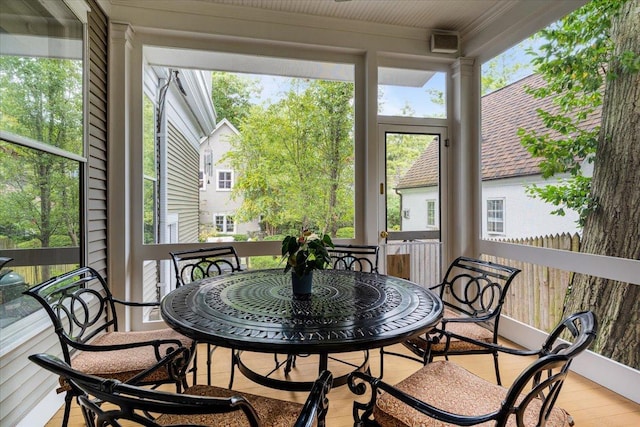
[484,28]
[454,15]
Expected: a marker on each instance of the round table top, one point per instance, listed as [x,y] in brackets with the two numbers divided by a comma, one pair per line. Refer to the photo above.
[255,310]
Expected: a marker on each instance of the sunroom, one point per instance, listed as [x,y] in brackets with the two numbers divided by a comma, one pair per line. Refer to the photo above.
[144,170]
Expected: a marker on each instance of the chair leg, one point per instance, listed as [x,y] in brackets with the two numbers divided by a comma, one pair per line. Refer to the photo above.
[495,364]
[234,361]
[194,368]
[381,362]
[210,350]
[68,399]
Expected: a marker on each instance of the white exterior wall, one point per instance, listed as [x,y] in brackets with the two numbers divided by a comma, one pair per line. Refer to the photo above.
[523,216]
[214,201]
[415,201]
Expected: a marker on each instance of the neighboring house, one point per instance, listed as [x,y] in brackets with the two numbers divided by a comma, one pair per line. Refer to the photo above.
[507,170]
[217,179]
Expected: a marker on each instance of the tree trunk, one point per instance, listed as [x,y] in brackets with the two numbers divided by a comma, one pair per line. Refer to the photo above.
[613,228]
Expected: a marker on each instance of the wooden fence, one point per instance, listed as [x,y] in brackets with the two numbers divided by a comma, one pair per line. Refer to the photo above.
[536,296]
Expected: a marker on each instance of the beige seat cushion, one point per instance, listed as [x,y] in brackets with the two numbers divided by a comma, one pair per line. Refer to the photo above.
[465,329]
[123,364]
[454,389]
[272,412]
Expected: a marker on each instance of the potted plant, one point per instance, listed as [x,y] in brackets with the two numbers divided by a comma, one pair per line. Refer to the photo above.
[304,254]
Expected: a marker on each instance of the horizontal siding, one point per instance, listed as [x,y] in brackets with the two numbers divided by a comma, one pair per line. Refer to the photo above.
[183,194]
[23,384]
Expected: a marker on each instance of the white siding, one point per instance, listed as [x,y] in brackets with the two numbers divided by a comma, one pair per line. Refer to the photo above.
[524,215]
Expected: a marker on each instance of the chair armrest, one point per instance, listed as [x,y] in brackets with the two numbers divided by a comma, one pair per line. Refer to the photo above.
[155,344]
[358,384]
[317,404]
[136,304]
[175,361]
[500,348]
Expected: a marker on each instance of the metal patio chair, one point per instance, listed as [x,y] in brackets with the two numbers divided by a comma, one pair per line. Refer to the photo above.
[198,405]
[83,313]
[473,292]
[200,263]
[443,393]
[355,257]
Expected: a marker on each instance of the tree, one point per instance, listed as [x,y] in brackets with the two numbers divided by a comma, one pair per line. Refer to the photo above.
[231,94]
[504,69]
[294,159]
[41,99]
[591,61]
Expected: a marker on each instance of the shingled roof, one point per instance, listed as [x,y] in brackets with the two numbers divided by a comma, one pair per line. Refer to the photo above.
[503,156]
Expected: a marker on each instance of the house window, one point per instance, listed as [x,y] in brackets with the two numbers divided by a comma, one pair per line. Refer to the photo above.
[431,213]
[202,180]
[224,223]
[495,215]
[225,180]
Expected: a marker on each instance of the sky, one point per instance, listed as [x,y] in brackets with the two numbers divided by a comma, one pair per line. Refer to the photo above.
[420,100]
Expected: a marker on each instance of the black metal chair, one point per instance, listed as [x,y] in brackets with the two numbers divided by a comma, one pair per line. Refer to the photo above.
[83,313]
[199,405]
[198,264]
[355,257]
[473,292]
[443,393]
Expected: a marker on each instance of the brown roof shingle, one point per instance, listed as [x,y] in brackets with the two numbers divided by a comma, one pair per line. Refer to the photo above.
[503,156]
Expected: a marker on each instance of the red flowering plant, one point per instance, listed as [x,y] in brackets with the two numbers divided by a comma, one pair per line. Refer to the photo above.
[306,252]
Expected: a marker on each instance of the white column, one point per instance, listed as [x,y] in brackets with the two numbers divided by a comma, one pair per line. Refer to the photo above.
[118,164]
[464,208]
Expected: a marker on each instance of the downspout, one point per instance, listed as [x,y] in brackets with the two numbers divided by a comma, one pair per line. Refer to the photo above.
[161,154]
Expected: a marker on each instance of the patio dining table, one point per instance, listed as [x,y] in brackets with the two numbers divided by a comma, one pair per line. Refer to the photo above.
[255,310]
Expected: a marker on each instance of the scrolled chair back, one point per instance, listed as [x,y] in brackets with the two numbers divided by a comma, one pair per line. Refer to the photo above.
[80,306]
[137,404]
[354,257]
[476,287]
[204,262]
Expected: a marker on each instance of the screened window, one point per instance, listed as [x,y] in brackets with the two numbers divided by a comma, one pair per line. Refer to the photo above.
[495,216]
[243,142]
[42,149]
[149,171]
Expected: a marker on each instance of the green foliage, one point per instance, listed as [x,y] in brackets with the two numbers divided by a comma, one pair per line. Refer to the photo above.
[504,69]
[294,159]
[41,99]
[402,152]
[231,94]
[346,233]
[306,252]
[573,62]
[261,262]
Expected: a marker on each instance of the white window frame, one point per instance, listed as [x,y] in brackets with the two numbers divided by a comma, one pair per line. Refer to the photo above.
[492,221]
[202,179]
[228,223]
[431,212]
[219,181]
